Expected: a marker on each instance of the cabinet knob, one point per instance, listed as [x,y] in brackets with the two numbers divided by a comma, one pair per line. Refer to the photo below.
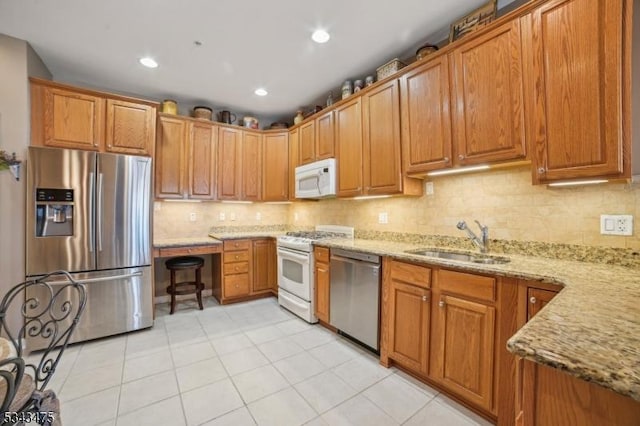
[441,303]
[109,146]
[541,170]
[189,250]
[237,286]
[237,257]
[425,298]
[446,159]
[95,144]
[460,157]
[236,268]
[533,300]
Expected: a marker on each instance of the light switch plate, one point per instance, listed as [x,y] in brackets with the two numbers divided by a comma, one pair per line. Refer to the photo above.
[428,188]
[221,216]
[258,216]
[383,217]
[620,224]
[193,217]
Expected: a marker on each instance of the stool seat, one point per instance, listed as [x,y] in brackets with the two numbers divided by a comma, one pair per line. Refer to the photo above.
[185,287]
[184,262]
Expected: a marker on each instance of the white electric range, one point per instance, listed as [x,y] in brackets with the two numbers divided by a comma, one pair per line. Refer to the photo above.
[296,268]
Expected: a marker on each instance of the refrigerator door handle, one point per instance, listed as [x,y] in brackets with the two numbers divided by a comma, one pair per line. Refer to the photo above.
[92,219]
[97,280]
[99,212]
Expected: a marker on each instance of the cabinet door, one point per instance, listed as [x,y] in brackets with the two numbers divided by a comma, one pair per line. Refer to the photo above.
[272,270]
[251,167]
[579,75]
[322,291]
[130,127]
[261,266]
[463,348]
[170,158]
[349,148]
[324,136]
[307,135]
[488,94]
[409,322]
[229,163]
[294,149]
[73,120]
[426,117]
[275,167]
[537,299]
[202,161]
[382,172]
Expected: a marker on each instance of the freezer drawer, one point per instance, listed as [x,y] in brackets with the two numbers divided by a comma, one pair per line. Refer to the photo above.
[117,301]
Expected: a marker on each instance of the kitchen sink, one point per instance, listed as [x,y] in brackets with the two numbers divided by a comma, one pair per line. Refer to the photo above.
[464,257]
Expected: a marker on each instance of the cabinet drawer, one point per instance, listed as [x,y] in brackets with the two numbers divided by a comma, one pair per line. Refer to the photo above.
[236,285]
[411,274]
[236,268]
[476,286]
[235,256]
[189,251]
[237,245]
[321,254]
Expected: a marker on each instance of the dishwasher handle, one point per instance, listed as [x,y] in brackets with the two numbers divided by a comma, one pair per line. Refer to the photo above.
[354,257]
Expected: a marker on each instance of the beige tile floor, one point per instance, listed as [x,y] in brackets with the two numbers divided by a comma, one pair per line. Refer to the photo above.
[242,364]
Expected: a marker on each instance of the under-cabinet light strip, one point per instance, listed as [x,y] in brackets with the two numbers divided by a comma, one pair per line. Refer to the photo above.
[578,182]
[458,170]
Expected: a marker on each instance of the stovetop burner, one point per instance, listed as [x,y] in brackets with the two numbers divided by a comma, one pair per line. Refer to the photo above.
[302,240]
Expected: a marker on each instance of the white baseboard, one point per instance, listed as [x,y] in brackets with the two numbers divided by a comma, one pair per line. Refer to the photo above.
[166,298]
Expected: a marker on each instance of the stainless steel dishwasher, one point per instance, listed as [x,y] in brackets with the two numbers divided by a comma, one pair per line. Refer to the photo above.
[355,295]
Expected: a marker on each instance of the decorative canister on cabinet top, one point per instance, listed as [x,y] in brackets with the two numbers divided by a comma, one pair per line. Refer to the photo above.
[169,106]
[347,89]
[202,112]
[357,86]
[425,50]
[299,118]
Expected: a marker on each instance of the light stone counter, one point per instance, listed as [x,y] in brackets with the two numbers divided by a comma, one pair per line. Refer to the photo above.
[248,234]
[185,242]
[590,330]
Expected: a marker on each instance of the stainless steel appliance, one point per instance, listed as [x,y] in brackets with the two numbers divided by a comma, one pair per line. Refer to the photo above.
[88,213]
[317,179]
[355,295]
[296,270]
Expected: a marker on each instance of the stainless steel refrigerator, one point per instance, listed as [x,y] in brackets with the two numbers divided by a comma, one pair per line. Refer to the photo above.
[88,213]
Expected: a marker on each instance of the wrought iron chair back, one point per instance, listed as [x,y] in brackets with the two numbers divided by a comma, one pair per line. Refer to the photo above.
[53,316]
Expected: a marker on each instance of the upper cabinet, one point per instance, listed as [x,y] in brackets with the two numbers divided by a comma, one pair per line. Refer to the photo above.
[294,160]
[349,148]
[251,165]
[275,164]
[578,66]
[487,93]
[185,163]
[317,139]
[229,163]
[67,117]
[307,142]
[426,117]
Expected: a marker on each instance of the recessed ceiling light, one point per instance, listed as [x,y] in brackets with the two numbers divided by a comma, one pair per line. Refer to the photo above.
[320,36]
[149,62]
[261,92]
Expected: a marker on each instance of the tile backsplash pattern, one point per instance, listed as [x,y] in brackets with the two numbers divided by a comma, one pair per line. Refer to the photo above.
[505,200]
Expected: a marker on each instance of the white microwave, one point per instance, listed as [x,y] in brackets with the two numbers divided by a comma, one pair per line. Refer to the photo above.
[316,180]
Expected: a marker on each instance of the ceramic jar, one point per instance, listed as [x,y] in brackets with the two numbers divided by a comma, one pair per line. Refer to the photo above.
[347,89]
[299,118]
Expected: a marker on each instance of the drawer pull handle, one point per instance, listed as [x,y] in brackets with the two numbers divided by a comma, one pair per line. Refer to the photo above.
[533,300]
[441,303]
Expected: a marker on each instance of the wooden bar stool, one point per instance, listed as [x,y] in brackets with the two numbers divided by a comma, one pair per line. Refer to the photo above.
[185,287]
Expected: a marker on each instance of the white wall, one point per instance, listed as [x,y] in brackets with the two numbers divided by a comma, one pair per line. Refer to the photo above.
[17,59]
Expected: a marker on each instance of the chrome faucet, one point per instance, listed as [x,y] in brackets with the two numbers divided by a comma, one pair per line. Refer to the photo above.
[483,242]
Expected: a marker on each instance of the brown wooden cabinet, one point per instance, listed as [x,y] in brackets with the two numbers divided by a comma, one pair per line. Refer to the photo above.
[307,142]
[426,117]
[294,161]
[578,65]
[464,317]
[322,286]
[251,167]
[348,135]
[324,136]
[64,116]
[130,127]
[229,163]
[185,159]
[408,314]
[237,269]
[264,266]
[487,97]
[275,164]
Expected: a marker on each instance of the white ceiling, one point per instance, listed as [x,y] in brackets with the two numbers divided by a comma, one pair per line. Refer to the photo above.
[245,45]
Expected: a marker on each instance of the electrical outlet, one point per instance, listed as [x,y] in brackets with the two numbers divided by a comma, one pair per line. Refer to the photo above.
[383,217]
[193,217]
[258,216]
[221,217]
[157,206]
[296,217]
[428,188]
[616,224]
[232,216]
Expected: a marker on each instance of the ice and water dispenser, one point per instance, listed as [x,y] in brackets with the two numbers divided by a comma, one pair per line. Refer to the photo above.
[54,212]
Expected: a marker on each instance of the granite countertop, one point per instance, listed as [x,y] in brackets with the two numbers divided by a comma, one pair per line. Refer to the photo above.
[246,234]
[591,329]
[184,242]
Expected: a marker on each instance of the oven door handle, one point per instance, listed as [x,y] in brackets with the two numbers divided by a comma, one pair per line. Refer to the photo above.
[288,254]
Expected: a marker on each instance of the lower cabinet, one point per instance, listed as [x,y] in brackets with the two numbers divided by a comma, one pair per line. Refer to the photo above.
[248,269]
[322,288]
